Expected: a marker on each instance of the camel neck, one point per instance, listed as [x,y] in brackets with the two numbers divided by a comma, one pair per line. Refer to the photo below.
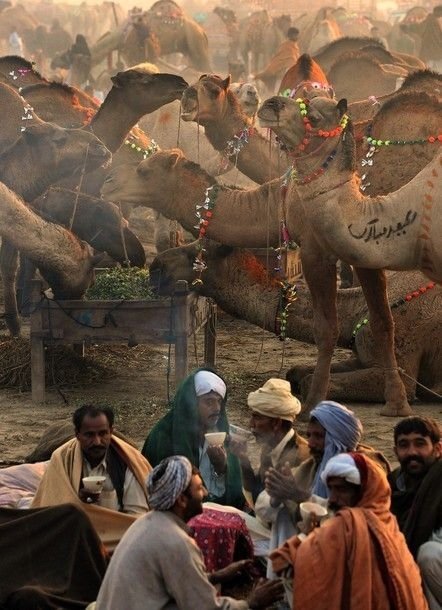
[114,119]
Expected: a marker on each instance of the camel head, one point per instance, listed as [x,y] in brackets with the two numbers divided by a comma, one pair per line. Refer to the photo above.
[159,178]
[146,92]
[208,100]
[284,116]
[248,97]
[177,264]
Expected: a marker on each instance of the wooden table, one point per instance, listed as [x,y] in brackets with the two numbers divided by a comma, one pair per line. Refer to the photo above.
[171,321]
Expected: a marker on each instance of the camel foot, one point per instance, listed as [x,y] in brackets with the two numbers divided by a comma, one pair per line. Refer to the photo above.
[392,410]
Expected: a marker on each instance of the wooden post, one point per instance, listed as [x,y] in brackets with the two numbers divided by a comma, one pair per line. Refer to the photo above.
[37,345]
[181,325]
[210,335]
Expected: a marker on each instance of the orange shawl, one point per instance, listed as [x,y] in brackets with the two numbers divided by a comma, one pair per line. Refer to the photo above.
[61,482]
[357,560]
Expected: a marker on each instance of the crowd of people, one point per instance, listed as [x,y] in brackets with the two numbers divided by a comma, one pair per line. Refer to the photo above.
[330,525]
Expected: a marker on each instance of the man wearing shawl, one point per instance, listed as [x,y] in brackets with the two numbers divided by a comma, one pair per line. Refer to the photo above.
[285,57]
[199,407]
[358,559]
[97,452]
[157,565]
[417,498]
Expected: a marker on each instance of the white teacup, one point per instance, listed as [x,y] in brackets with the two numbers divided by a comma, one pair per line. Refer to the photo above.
[306,508]
[215,439]
[94,484]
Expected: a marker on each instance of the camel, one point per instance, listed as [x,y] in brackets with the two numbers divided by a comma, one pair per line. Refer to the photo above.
[64,261]
[238,222]
[240,286]
[48,153]
[210,103]
[260,35]
[358,75]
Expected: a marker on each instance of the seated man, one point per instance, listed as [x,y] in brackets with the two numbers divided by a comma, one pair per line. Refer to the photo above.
[332,429]
[157,565]
[96,451]
[357,559]
[273,411]
[417,498]
[199,407]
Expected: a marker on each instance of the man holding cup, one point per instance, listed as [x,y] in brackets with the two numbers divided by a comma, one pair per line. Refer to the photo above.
[97,471]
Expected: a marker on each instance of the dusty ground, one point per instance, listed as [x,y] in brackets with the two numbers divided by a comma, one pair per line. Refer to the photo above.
[137,388]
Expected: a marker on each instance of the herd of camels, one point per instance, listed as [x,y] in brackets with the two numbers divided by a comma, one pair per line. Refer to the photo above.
[346,179]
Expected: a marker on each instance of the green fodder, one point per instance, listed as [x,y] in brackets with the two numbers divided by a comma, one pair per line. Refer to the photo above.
[120,283]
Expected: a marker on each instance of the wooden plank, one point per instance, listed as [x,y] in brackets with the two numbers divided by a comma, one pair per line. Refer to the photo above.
[210,336]
[37,345]
[181,325]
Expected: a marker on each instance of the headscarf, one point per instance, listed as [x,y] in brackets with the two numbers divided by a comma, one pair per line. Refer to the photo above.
[178,433]
[344,466]
[206,381]
[343,431]
[167,481]
[275,399]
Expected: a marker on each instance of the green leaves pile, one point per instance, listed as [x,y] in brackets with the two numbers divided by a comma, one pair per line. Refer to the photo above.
[121,283]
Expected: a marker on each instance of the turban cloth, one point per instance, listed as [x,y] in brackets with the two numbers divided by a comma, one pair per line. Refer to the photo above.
[343,432]
[275,399]
[167,481]
[206,381]
[344,466]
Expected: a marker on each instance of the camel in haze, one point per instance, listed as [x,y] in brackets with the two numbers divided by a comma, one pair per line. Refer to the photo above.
[241,286]
[210,103]
[65,262]
[48,153]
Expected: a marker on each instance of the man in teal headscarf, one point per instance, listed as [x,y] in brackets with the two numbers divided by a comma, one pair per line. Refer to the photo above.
[199,407]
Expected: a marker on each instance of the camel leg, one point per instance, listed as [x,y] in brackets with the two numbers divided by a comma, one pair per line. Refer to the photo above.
[8,268]
[321,280]
[296,374]
[362,385]
[374,287]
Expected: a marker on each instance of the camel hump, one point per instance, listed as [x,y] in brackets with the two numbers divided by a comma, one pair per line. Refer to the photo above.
[167,9]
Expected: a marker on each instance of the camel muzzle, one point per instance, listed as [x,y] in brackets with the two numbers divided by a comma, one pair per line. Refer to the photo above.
[270,110]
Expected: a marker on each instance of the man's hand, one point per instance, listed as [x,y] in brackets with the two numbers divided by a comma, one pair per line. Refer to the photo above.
[266,593]
[230,571]
[281,485]
[218,457]
[88,496]
[310,524]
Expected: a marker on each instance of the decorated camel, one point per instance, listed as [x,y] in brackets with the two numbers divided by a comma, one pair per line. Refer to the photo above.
[210,103]
[241,286]
[48,153]
[238,221]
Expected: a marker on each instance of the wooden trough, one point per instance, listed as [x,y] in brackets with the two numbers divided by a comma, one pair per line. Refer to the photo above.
[171,321]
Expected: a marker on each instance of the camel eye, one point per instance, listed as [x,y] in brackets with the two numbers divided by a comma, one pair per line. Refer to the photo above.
[314,119]
[212,90]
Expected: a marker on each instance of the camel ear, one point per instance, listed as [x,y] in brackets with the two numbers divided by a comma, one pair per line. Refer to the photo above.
[226,82]
[118,80]
[342,106]
[174,157]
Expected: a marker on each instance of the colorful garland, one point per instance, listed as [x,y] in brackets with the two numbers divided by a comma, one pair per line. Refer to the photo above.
[146,152]
[308,127]
[375,144]
[287,297]
[237,143]
[408,297]
[204,212]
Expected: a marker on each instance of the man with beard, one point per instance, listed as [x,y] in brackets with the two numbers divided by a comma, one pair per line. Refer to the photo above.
[198,408]
[157,565]
[273,412]
[358,559]
[96,451]
[417,498]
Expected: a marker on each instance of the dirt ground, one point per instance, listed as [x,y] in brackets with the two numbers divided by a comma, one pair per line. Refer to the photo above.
[136,386]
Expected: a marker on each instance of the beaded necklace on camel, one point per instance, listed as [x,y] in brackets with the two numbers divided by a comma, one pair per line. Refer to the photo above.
[146,152]
[236,144]
[375,145]
[204,212]
[402,301]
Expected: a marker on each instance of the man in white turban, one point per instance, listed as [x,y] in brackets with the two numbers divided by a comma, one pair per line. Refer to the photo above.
[157,564]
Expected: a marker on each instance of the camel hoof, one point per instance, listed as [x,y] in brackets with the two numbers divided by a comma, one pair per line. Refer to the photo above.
[396,411]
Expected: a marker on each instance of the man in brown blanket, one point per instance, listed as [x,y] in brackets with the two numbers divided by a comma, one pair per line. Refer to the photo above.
[96,451]
[358,559]
[417,498]
[285,57]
